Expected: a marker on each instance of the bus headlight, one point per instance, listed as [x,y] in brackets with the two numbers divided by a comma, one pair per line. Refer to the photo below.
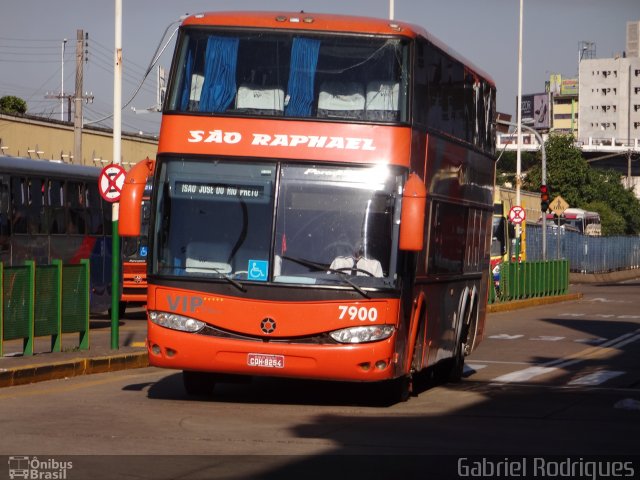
[364,334]
[176,322]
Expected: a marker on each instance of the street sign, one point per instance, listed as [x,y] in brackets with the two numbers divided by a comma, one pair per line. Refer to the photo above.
[558,205]
[517,215]
[111,181]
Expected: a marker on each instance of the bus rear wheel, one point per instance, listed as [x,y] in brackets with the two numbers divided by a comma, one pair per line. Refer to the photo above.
[198,384]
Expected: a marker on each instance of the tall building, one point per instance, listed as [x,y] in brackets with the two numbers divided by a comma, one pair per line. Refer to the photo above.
[609,109]
[564,94]
[633,39]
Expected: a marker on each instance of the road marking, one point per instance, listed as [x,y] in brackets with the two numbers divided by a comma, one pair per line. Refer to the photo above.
[504,362]
[609,348]
[504,336]
[523,375]
[591,341]
[600,315]
[596,378]
[606,300]
[471,368]
[547,338]
[138,344]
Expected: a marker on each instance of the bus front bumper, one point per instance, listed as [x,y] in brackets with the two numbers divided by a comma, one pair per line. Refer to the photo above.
[367,362]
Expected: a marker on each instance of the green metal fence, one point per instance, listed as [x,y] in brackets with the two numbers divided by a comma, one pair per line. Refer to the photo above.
[519,281]
[44,300]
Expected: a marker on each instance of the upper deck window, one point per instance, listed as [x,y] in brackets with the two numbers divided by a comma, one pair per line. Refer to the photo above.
[291,74]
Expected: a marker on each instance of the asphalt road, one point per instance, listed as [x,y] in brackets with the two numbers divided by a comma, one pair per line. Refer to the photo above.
[560,379]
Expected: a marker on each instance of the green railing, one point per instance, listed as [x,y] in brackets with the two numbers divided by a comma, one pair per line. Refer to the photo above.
[44,300]
[519,281]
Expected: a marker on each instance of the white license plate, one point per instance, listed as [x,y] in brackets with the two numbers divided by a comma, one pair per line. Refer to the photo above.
[263,360]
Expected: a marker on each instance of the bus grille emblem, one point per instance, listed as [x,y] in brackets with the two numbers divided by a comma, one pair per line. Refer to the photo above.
[268,325]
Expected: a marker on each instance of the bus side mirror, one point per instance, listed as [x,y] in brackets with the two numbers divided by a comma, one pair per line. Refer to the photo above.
[414,201]
[131,198]
[511,230]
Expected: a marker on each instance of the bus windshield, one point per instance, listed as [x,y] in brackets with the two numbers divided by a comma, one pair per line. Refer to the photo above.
[283,223]
[291,74]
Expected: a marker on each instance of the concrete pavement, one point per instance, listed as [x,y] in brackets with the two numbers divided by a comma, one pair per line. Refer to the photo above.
[16,369]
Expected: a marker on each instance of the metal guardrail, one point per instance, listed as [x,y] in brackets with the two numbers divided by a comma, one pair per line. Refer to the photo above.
[62,306]
[519,281]
[585,254]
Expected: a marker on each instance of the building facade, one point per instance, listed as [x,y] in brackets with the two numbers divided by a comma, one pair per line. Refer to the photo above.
[34,137]
[609,112]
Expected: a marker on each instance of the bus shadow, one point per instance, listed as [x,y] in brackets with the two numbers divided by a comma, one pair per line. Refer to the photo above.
[286,391]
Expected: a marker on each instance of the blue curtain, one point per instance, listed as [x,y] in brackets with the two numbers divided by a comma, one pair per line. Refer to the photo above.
[186,83]
[219,88]
[304,61]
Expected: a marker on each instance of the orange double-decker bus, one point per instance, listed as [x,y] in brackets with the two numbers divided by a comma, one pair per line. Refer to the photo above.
[134,252]
[322,202]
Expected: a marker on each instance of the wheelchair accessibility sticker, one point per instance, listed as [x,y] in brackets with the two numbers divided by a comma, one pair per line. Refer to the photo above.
[258,270]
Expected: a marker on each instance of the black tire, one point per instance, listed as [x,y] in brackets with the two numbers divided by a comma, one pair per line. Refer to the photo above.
[198,384]
[393,391]
[122,309]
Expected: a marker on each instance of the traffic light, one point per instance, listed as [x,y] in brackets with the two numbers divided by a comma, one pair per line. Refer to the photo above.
[544,198]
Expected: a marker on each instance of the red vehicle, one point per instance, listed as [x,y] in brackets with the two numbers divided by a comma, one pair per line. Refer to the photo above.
[134,253]
[322,202]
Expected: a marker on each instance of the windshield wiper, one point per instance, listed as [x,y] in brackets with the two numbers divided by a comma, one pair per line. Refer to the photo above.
[233,282]
[321,267]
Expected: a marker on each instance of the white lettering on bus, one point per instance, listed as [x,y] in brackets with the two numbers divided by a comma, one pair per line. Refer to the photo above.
[214,136]
[283,140]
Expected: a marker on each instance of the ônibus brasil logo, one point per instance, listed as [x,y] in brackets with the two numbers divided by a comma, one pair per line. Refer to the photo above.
[32,468]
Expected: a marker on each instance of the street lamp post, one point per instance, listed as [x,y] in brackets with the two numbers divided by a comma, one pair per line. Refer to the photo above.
[519,115]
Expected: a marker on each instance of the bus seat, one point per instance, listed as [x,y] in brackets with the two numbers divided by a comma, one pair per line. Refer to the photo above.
[382,101]
[341,100]
[364,264]
[199,259]
[260,100]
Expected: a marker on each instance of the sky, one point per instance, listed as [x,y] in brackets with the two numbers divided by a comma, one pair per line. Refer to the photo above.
[485,32]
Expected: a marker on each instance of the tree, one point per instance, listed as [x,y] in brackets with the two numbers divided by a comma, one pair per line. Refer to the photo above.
[612,222]
[11,104]
[569,175]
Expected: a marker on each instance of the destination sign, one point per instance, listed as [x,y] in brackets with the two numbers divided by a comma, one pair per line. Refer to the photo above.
[218,190]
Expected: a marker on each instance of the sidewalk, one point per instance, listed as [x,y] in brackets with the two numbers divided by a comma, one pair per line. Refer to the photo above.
[16,369]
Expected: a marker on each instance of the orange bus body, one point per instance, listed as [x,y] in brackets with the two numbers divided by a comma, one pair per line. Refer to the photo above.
[425,306]
[134,263]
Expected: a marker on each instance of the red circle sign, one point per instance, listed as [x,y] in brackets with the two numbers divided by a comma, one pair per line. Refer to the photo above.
[111,181]
[517,215]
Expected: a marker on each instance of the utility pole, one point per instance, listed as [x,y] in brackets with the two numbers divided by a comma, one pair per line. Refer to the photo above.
[64,43]
[78,97]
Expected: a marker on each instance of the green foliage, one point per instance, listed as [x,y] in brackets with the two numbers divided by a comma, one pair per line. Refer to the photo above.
[612,222]
[569,175]
[11,104]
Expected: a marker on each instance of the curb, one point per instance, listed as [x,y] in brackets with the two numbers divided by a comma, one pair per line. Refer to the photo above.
[531,302]
[72,368]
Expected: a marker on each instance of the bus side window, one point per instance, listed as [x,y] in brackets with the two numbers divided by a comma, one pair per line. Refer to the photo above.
[4,216]
[76,204]
[55,206]
[94,204]
[18,205]
[35,206]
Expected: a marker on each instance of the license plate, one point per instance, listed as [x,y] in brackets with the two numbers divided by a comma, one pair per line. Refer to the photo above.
[263,360]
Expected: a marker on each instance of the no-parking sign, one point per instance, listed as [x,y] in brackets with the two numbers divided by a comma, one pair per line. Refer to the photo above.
[517,215]
[111,181]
